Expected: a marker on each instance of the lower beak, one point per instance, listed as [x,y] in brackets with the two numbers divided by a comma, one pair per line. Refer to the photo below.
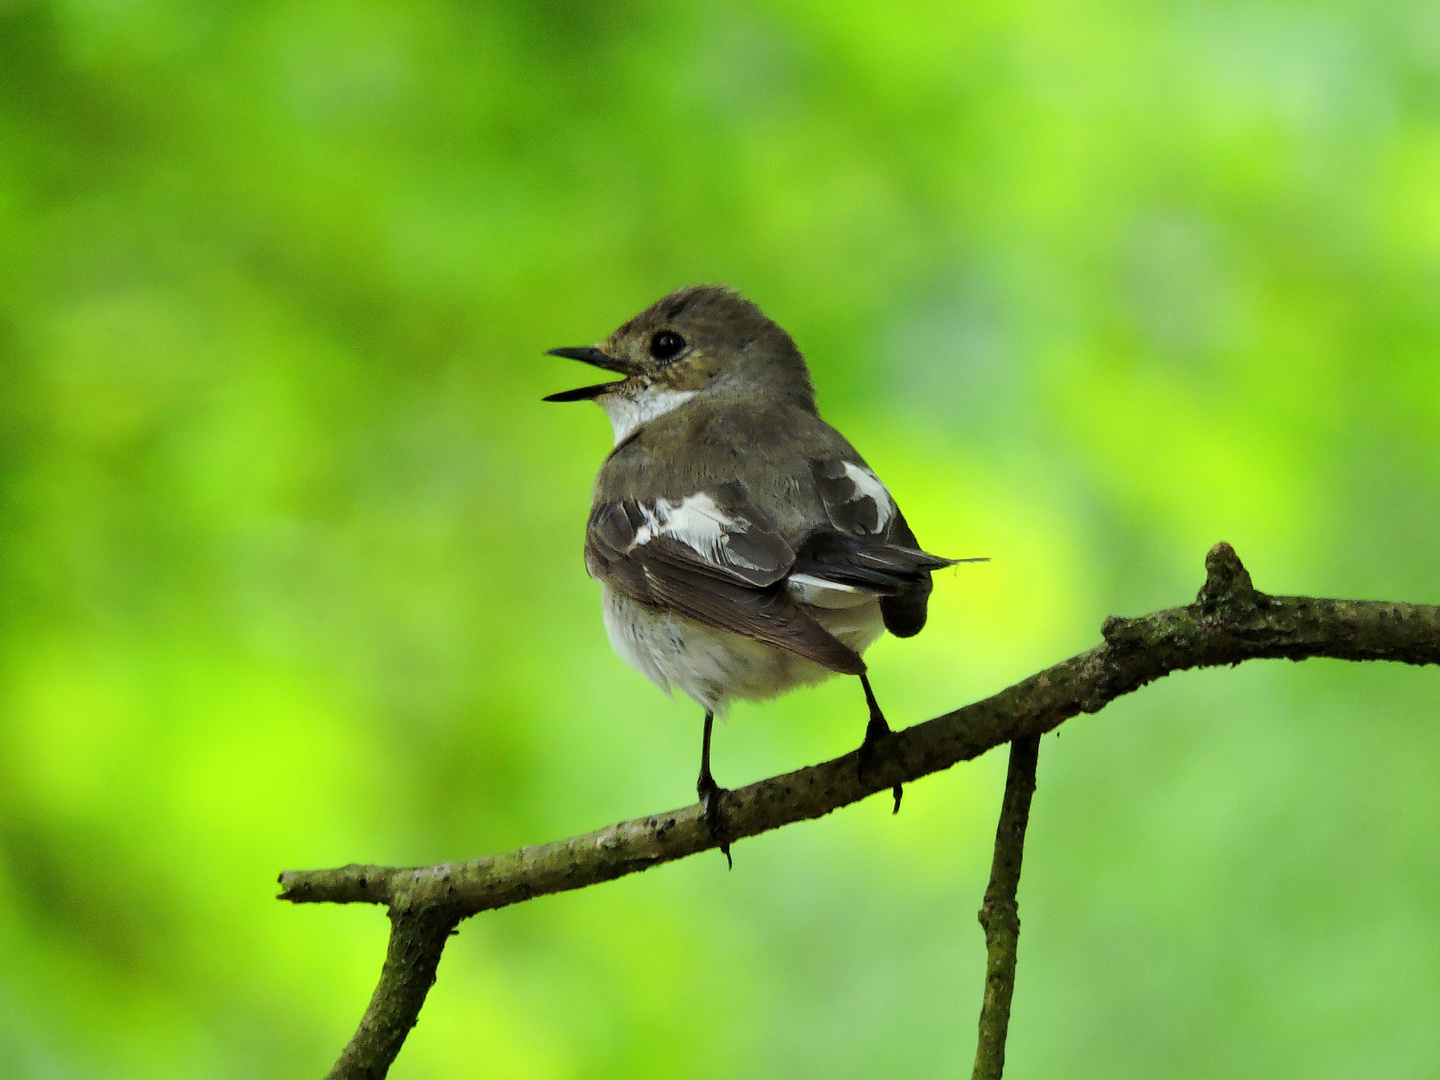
[589,354]
[584,393]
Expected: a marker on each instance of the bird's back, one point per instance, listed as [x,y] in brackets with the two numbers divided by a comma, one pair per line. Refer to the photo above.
[765,447]
[782,455]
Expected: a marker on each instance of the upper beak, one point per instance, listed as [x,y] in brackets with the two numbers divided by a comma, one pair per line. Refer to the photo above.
[589,354]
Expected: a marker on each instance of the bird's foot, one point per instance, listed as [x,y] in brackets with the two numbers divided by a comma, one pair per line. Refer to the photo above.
[876,732]
[710,795]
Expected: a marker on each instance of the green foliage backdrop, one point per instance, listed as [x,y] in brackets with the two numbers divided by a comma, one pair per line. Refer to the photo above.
[290,563]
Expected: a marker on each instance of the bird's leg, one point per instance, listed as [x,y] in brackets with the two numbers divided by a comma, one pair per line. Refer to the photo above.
[709,791]
[876,731]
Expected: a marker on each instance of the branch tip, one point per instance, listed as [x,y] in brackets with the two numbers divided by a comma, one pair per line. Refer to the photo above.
[1227,582]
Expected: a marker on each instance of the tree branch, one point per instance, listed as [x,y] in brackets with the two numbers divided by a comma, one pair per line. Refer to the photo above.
[1000,914]
[417,938]
[1228,623]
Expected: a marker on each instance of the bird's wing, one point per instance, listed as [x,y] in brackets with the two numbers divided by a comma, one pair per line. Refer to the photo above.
[713,558]
[868,545]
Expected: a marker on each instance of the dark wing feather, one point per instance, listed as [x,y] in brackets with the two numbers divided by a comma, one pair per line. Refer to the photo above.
[850,509]
[729,575]
[769,615]
[905,611]
[869,545]
[865,562]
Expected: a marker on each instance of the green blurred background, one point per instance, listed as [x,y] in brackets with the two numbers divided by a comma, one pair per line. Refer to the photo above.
[290,566]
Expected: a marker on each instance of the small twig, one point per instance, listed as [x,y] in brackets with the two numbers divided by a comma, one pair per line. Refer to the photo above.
[1000,914]
[1229,622]
[417,938]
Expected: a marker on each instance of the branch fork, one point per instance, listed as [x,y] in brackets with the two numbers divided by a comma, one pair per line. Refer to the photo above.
[1229,622]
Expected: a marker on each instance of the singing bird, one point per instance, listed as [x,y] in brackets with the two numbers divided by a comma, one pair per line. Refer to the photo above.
[743,545]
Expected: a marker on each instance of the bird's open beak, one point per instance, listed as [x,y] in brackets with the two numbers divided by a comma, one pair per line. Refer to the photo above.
[589,354]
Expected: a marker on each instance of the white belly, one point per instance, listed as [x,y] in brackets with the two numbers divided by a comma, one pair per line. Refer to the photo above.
[716,667]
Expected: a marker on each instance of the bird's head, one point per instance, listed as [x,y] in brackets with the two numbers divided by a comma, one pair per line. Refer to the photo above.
[703,340]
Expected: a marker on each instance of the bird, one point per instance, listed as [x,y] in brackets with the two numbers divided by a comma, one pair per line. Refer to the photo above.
[743,546]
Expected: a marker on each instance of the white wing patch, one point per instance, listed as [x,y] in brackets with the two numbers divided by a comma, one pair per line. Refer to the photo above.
[810,581]
[868,486]
[818,592]
[629,414]
[697,522]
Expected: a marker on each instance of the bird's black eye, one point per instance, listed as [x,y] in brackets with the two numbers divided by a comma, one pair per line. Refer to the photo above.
[665,345]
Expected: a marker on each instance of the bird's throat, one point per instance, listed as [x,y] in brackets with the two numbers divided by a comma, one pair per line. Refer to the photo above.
[629,413]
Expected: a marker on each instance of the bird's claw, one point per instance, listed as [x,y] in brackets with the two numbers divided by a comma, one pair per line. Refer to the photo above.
[876,732]
[710,795]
